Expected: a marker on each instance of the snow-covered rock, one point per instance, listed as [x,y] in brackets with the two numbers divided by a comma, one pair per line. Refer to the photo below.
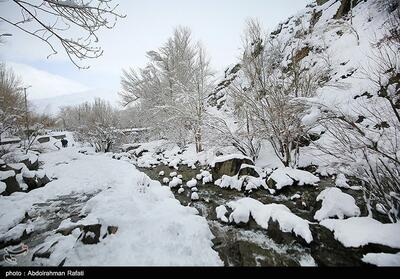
[382,259]
[360,231]
[173,174]
[161,173]
[263,213]
[229,165]
[165,180]
[175,182]
[341,181]
[194,196]
[284,177]
[191,183]
[3,187]
[335,203]
[221,213]
[181,190]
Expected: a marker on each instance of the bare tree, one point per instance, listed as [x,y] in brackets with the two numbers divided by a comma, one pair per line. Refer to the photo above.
[50,21]
[96,123]
[269,93]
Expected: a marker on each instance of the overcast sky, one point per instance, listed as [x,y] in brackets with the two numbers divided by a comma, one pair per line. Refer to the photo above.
[217,23]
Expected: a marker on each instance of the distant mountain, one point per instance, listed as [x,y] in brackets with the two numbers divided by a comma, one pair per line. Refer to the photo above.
[52,105]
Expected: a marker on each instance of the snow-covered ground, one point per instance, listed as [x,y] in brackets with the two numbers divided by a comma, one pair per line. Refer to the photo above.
[153,228]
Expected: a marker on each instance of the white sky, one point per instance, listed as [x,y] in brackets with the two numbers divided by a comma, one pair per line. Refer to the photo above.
[217,23]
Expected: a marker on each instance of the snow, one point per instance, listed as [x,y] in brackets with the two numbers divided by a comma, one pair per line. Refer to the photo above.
[262,213]
[221,159]
[341,181]
[161,173]
[335,203]
[153,228]
[175,182]
[359,231]
[165,180]
[295,197]
[6,174]
[173,174]
[287,176]
[207,177]
[181,190]
[382,259]
[194,189]
[194,196]
[221,212]
[231,182]
[191,183]
[3,187]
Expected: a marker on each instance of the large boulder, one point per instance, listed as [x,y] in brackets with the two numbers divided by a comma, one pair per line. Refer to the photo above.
[229,165]
[8,178]
[248,170]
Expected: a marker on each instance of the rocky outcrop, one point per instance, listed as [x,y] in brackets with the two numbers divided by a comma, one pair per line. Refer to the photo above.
[229,167]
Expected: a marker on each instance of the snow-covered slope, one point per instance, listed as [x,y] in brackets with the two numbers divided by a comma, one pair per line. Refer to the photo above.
[326,36]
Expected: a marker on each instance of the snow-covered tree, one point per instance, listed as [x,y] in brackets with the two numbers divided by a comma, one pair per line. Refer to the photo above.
[172,89]
[270,91]
[11,101]
[96,123]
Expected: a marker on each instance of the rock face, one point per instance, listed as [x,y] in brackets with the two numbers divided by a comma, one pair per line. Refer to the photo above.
[229,167]
[248,170]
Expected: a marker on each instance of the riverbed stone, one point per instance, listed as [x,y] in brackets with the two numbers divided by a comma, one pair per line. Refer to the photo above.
[229,167]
